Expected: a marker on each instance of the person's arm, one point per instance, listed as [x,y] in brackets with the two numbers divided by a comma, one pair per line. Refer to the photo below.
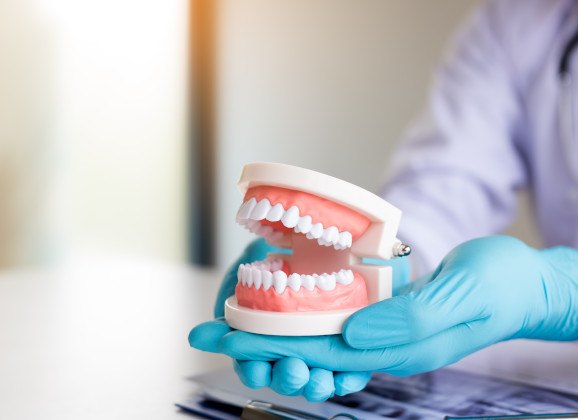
[456,174]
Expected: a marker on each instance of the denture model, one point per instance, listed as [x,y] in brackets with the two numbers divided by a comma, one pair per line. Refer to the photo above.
[330,225]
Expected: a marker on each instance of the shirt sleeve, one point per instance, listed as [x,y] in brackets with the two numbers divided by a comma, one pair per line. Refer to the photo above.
[456,174]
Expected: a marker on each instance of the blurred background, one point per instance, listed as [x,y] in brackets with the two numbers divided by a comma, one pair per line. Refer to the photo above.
[124,124]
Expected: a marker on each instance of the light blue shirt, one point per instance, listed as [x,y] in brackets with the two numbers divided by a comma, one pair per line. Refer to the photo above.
[493,125]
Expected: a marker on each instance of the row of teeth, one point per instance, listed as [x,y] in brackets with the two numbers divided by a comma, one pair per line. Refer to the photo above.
[251,212]
[260,276]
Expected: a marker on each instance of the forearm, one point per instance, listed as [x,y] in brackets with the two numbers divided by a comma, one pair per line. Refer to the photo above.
[560,279]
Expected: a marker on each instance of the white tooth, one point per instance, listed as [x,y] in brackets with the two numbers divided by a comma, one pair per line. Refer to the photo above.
[267,278]
[308,282]
[304,224]
[240,273]
[265,231]
[294,282]
[276,265]
[291,217]
[260,210]
[276,213]
[249,277]
[245,209]
[253,226]
[246,275]
[256,277]
[349,275]
[276,237]
[331,234]
[309,235]
[326,282]
[279,281]
[345,239]
[344,277]
[316,231]
[338,247]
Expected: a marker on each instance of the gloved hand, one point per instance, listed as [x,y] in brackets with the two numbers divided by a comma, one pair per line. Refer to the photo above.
[287,376]
[485,291]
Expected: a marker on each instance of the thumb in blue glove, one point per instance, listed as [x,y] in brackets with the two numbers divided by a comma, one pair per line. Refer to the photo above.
[485,291]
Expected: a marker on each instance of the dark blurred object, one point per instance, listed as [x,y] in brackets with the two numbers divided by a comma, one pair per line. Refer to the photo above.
[202,123]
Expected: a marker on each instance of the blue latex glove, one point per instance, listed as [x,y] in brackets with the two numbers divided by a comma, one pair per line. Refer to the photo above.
[484,291]
[287,376]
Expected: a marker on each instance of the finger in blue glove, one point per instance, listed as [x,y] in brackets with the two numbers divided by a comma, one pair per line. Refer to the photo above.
[322,383]
[293,377]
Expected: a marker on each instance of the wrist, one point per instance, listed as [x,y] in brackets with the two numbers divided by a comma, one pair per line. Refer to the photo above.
[559,277]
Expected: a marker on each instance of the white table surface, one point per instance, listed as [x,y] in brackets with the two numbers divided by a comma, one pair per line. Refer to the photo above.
[101,339]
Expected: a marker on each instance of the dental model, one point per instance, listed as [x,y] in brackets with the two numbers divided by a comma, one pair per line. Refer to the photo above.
[330,225]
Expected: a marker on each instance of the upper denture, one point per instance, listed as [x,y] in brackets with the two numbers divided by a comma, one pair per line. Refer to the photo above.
[285,210]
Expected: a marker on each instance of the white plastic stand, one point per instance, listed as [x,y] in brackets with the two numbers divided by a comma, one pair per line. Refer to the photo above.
[284,323]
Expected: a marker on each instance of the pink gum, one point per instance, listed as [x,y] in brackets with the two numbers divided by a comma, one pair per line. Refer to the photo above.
[354,295]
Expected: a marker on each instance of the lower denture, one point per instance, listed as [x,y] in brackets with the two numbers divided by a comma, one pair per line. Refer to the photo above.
[351,296]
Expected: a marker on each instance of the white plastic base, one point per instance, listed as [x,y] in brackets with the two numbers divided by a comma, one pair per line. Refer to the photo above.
[285,323]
